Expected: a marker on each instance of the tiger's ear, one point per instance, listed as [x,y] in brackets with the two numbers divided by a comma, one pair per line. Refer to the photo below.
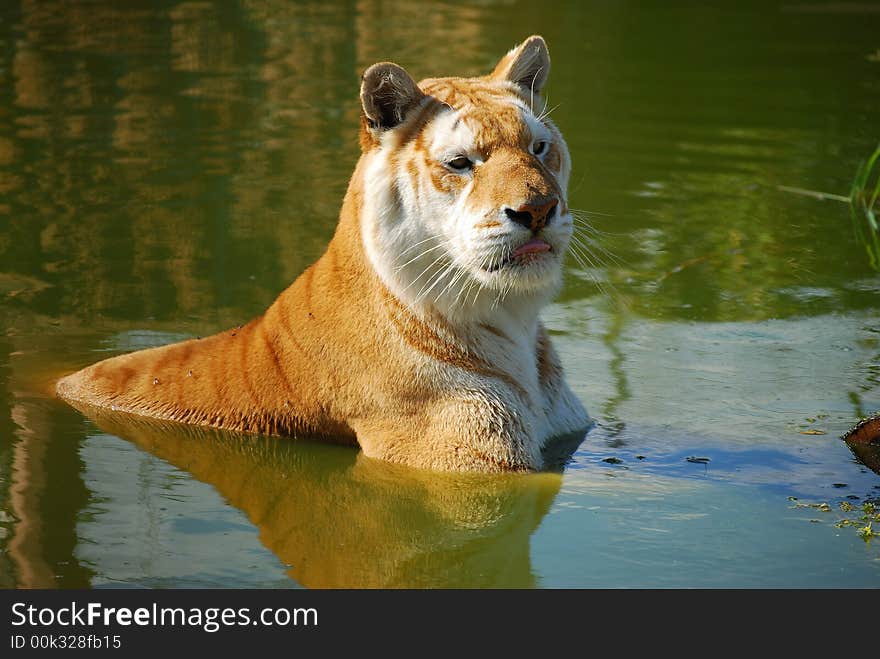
[527,65]
[388,94]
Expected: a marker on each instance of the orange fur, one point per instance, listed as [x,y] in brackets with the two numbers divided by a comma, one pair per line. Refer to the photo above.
[340,355]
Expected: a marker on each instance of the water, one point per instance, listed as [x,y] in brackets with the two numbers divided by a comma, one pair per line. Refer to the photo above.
[166,169]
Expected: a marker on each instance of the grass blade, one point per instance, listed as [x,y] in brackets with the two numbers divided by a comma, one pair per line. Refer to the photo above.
[862,202]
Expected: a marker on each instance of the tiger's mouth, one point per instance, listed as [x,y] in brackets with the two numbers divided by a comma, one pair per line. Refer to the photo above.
[532,251]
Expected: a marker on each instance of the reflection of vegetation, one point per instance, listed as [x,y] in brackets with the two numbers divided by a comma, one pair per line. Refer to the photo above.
[186,160]
[152,155]
[42,492]
[621,385]
[862,202]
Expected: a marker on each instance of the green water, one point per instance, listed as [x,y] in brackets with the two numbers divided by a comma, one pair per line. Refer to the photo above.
[166,169]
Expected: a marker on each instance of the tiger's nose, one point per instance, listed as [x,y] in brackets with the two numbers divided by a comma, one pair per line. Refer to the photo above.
[534,215]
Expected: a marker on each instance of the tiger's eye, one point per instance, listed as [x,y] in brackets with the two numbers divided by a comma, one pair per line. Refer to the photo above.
[460,164]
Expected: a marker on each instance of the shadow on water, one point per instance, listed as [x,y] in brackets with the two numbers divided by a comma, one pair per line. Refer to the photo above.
[340,519]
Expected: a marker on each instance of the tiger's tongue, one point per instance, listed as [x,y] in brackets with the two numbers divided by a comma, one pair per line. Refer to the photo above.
[534,246]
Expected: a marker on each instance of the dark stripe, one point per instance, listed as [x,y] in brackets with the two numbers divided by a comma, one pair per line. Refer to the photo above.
[415,125]
[288,330]
[270,348]
[307,277]
[437,181]
[213,374]
[494,330]
[413,171]
[161,360]
[425,339]
[243,366]
[501,463]
[547,370]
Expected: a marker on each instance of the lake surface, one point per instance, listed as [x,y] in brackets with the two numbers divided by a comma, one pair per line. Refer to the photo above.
[166,169]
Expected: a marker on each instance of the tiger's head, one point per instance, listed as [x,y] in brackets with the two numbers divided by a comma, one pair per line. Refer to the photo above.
[464,186]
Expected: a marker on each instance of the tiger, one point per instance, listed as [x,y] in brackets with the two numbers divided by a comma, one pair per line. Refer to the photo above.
[416,335]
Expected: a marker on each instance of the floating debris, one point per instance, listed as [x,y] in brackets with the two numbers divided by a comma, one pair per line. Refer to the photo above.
[863,522]
[821,507]
[812,431]
[815,194]
[613,461]
[696,460]
[680,267]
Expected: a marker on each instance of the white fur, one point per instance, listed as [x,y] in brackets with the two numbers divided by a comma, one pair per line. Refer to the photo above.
[427,249]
